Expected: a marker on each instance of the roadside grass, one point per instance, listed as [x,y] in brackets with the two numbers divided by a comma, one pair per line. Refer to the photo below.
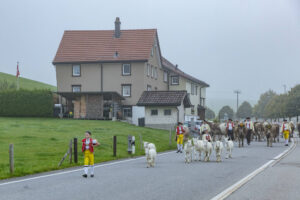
[40,143]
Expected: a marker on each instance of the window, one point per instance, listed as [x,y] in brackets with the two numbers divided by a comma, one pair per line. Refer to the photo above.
[155,73]
[127,111]
[152,71]
[167,112]
[126,90]
[76,88]
[149,88]
[192,110]
[202,101]
[152,51]
[175,80]
[148,70]
[154,112]
[193,89]
[76,70]
[126,69]
[165,76]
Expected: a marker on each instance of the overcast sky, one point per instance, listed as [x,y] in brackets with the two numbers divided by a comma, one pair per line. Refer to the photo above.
[250,45]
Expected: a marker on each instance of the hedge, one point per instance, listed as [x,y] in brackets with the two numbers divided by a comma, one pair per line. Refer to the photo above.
[26,103]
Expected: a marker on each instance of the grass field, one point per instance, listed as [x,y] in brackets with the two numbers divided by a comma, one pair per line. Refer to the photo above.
[26,83]
[40,143]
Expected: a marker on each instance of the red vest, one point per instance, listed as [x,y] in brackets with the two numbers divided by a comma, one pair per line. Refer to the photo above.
[178,131]
[232,125]
[91,148]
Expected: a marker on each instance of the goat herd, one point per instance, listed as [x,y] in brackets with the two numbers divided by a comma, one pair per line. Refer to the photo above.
[195,147]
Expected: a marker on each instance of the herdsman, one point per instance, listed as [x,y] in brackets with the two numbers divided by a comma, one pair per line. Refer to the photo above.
[204,127]
[88,145]
[229,129]
[285,129]
[249,129]
[179,137]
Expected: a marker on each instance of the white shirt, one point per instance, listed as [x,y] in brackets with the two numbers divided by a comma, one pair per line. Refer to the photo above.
[230,126]
[87,143]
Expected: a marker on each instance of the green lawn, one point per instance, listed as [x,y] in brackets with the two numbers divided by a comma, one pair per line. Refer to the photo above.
[26,83]
[40,143]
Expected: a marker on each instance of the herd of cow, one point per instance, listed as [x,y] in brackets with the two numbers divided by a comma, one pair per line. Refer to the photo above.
[265,131]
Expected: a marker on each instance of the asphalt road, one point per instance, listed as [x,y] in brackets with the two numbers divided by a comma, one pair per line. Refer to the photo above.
[278,182]
[171,179]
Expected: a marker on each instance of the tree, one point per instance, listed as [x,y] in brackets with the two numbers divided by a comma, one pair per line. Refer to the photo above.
[277,107]
[293,104]
[259,108]
[227,110]
[209,114]
[245,110]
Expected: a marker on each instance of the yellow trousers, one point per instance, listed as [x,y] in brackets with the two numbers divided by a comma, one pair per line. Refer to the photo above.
[88,158]
[286,134]
[180,139]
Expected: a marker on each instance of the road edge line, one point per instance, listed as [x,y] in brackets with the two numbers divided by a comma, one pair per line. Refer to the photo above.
[66,171]
[225,193]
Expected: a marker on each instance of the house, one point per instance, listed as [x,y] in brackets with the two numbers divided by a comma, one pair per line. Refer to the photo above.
[196,89]
[163,109]
[102,74]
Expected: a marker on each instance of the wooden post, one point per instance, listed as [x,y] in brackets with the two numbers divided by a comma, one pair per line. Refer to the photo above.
[115,146]
[170,137]
[11,158]
[70,152]
[75,151]
[141,142]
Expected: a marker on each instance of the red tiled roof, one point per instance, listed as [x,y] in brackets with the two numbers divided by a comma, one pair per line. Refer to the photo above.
[101,46]
[168,65]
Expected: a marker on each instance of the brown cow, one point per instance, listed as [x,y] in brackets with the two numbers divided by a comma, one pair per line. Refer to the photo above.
[258,127]
[241,130]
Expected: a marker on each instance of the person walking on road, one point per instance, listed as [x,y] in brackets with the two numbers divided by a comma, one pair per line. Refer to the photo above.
[229,129]
[88,145]
[285,129]
[179,137]
[249,129]
[204,127]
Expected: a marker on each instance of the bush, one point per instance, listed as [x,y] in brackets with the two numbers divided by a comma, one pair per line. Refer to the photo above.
[26,103]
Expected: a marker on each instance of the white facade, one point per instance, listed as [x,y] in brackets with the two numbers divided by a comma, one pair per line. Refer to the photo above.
[137,112]
[161,120]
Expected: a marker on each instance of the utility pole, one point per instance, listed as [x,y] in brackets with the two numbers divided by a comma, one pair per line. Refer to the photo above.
[237,99]
[284,87]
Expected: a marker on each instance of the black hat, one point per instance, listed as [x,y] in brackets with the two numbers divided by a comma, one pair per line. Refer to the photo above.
[89,132]
[248,118]
[230,119]
[285,120]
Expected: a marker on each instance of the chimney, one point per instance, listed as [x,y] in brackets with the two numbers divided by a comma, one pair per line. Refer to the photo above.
[117,28]
[176,66]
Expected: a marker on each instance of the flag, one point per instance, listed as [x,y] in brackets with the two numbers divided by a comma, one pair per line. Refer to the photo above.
[18,72]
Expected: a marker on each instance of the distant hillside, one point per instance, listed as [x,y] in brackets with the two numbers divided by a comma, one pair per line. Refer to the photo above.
[26,83]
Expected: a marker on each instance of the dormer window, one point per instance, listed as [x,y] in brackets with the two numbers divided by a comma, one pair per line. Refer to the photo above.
[116,54]
[126,70]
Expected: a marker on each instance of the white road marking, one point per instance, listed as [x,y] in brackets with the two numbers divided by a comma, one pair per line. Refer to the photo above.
[246,179]
[76,170]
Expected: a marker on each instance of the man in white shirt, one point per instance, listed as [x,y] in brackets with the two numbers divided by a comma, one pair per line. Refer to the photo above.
[249,129]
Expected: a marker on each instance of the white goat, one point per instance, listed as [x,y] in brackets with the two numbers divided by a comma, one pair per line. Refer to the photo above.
[198,147]
[150,152]
[218,146]
[229,147]
[207,150]
[188,150]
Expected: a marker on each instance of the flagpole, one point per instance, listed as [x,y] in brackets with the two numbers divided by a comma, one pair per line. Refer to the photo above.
[18,86]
